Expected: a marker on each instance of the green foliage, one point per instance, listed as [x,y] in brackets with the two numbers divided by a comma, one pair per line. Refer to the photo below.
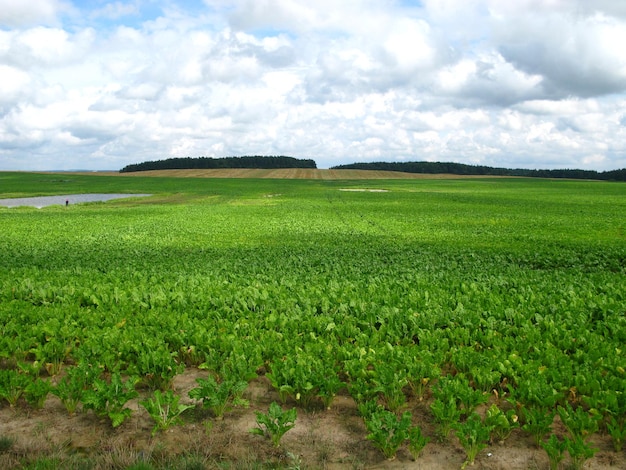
[36,392]
[225,162]
[52,353]
[275,423]
[363,391]
[555,448]
[579,450]
[459,390]
[71,388]
[450,289]
[464,169]
[417,441]
[141,466]
[293,376]
[578,422]
[108,398]
[538,422]
[581,425]
[12,385]
[473,435]
[219,397]
[421,370]
[387,431]
[305,375]
[446,415]
[157,366]
[612,405]
[502,423]
[617,430]
[241,364]
[6,443]
[164,409]
[391,383]
[366,408]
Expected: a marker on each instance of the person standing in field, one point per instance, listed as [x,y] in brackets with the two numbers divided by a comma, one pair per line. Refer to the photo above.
[67,202]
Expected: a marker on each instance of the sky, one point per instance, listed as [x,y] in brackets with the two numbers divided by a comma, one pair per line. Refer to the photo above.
[102,84]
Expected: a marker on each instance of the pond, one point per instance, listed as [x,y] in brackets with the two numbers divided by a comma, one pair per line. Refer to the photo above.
[43,201]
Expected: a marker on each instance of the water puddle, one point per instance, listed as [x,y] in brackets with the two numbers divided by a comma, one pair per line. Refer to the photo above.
[68,199]
[365,190]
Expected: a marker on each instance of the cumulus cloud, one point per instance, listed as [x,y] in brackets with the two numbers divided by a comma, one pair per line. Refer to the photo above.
[531,83]
[487,79]
[42,47]
[20,14]
[116,10]
[575,55]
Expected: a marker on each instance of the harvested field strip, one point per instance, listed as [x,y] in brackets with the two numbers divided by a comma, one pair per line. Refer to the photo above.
[290,173]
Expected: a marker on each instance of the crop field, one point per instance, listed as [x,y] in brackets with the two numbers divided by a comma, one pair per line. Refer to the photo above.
[350,323]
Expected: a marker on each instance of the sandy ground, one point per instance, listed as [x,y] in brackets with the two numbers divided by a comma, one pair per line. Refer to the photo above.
[325,439]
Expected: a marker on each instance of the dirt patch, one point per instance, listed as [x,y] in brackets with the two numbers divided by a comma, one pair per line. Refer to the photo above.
[290,173]
[327,439]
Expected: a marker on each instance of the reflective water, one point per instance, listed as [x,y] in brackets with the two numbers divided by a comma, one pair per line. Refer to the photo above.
[43,201]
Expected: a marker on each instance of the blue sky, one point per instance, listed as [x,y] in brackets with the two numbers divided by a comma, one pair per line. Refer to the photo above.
[101,84]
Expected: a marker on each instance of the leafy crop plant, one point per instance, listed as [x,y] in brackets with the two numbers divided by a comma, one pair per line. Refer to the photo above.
[109,398]
[165,409]
[387,431]
[219,397]
[275,423]
[473,435]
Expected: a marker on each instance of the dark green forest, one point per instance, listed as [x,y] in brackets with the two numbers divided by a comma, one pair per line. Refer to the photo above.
[188,163]
[463,169]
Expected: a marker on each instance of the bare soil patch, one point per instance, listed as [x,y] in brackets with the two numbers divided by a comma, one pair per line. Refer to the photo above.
[291,173]
[321,439]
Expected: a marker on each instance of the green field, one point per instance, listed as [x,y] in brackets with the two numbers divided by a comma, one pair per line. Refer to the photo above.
[466,293]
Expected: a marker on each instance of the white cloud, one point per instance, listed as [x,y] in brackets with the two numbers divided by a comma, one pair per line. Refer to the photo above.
[487,79]
[408,46]
[528,83]
[304,17]
[49,47]
[566,107]
[15,13]
[14,82]
[582,56]
[116,10]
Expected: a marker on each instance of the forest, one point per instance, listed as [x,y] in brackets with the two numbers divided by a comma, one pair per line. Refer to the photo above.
[188,163]
[481,170]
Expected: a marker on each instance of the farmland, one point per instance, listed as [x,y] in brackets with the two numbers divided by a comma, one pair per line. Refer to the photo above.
[484,310]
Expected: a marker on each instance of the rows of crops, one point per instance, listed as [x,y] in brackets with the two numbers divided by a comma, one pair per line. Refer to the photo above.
[505,293]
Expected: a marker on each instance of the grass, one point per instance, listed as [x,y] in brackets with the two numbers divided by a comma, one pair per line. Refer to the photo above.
[6,443]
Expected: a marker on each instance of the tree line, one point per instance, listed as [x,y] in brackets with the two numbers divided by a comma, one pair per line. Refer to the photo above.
[463,169]
[273,162]
[188,163]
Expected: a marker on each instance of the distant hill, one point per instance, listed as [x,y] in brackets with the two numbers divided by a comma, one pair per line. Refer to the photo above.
[203,163]
[480,170]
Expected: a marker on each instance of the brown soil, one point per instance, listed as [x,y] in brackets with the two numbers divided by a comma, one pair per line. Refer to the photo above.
[290,173]
[325,439]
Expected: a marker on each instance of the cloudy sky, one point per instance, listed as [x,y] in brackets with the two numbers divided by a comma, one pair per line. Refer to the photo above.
[100,84]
